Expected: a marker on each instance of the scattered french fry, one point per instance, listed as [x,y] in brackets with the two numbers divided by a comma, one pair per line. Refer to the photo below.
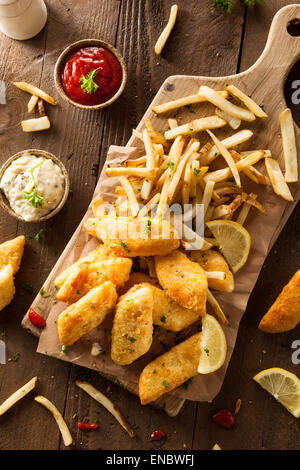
[198,125]
[41,107]
[217,308]
[34,125]
[131,171]
[185,101]
[228,158]
[18,395]
[232,121]
[251,105]
[289,146]
[32,103]
[277,179]
[66,435]
[33,90]
[166,31]
[133,204]
[232,141]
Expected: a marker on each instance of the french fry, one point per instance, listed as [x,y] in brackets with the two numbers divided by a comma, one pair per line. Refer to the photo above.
[131,171]
[227,157]
[37,124]
[245,211]
[17,396]
[217,308]
[215,275]
[277,179]
[252,201]
[181,166]
[108,404]
[250,171]
[235,139]
[207,195]
[135,162]
[229,108]
[133,204]
[251,105]
[149,206]
[33,90]
[232,121]
[185,101]
[166,31]
[289,146]
[66,435]
[172,122]
[41,107]
[32,103]
[186,185]
[225,173]
[98,207]
[198,125]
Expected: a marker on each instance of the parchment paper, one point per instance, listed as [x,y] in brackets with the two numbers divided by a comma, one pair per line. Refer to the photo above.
[202,388]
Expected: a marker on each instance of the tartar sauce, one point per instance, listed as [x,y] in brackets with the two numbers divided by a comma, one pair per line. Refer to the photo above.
[31,175]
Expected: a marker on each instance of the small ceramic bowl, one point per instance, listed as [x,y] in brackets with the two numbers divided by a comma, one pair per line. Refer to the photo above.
[72,48]
[5,203]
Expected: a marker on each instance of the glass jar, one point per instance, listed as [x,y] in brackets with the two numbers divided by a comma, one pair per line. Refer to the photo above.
[22,19]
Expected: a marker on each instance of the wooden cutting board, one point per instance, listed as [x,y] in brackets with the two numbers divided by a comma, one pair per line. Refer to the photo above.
[264,82]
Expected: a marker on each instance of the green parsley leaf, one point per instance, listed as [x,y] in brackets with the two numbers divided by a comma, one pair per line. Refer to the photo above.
[43,293]
[64,348]
[207,351]
[147,225]
[16,357]
[91,305]
[87,83]
[131,339]
[165,384]
[33,198]
[37,237]
[124,246]
[163,319]
[171,165]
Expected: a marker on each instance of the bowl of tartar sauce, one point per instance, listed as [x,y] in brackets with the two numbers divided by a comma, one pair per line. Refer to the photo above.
[34,185]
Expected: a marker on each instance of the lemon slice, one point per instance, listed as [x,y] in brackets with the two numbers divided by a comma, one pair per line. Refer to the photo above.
[234,241]
[213,346]
[216,447]
[283,386]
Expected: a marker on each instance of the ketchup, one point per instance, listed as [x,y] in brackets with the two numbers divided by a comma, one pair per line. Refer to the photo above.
[106,70]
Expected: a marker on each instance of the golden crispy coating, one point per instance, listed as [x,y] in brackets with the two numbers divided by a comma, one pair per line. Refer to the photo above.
[131,237]
[7,287]
[11,252]
[183,280]
[212,260]
[136,278]
[131,335]
[284,314]
[170,370]
[99,253]
[85,276]
[167,313]
[83,316]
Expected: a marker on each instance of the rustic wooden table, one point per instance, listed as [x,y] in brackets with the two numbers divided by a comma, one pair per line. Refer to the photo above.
[205,42]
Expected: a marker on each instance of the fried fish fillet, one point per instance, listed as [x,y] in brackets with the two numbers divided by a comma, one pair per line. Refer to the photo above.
[87,313]
[131,335]
[87,275]
[11,252]
[137,278]
[184,281]
[212,260]
[170,370]
[98,254]
[131,237]
[284,314]
[7,287]
[166,313]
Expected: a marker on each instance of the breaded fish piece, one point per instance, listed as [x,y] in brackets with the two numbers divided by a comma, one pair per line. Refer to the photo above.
[184,281]
[7,287]
[212,260]
[90,311]
[131,335]
[85,276]
[98,254]
[11,252]
[136,278]
[131,237]
[284,314]
[169,314]
[170,370]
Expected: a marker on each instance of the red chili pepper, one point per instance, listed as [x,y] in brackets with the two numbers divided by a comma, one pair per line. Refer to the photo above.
[158,435]
[87,426]
[36,319]
[223,418]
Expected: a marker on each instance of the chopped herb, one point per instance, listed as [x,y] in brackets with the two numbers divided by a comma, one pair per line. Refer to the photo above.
[28,287]
[77,292]
[129,301]
[91,305]
[124,246]
[163,364]
[64,348]
[32,196]
[196,171]
[37,237]
[171,165]
[133,424]
[191,130]
[188,106]
[55,287]
[163,319]
[165,384]
[147,225]
[43,293]
[207,351]
[186,384]
[154,372]
[96,420]
[16,357]
[87,83]
[131,339]
[74,416]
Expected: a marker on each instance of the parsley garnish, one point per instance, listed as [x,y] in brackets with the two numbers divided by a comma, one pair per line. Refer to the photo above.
[64,348]
[87,83]
[16,357]
[124,246]
[207,351]
[163,319]
[186,384]
[165,384]
[32,196]
[147,225]
[91,305]
[196,171]
[43,293]
[38,235]
[131,339]
[28,287]
[171,165]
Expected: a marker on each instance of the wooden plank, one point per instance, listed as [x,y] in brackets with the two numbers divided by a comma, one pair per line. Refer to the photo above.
[140,24]
[34,61]
[261,420]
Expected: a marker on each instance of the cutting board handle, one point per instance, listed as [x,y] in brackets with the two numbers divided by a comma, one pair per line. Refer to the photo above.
[282,50]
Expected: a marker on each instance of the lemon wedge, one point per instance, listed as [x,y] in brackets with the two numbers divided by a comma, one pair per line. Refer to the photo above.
[234,241]
[213,346]
[283,386]
[216,447]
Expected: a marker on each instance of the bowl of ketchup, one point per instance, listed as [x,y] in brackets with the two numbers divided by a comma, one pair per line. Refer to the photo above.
[90,74]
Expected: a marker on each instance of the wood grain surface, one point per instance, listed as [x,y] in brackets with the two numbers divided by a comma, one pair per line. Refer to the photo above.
[204,42]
